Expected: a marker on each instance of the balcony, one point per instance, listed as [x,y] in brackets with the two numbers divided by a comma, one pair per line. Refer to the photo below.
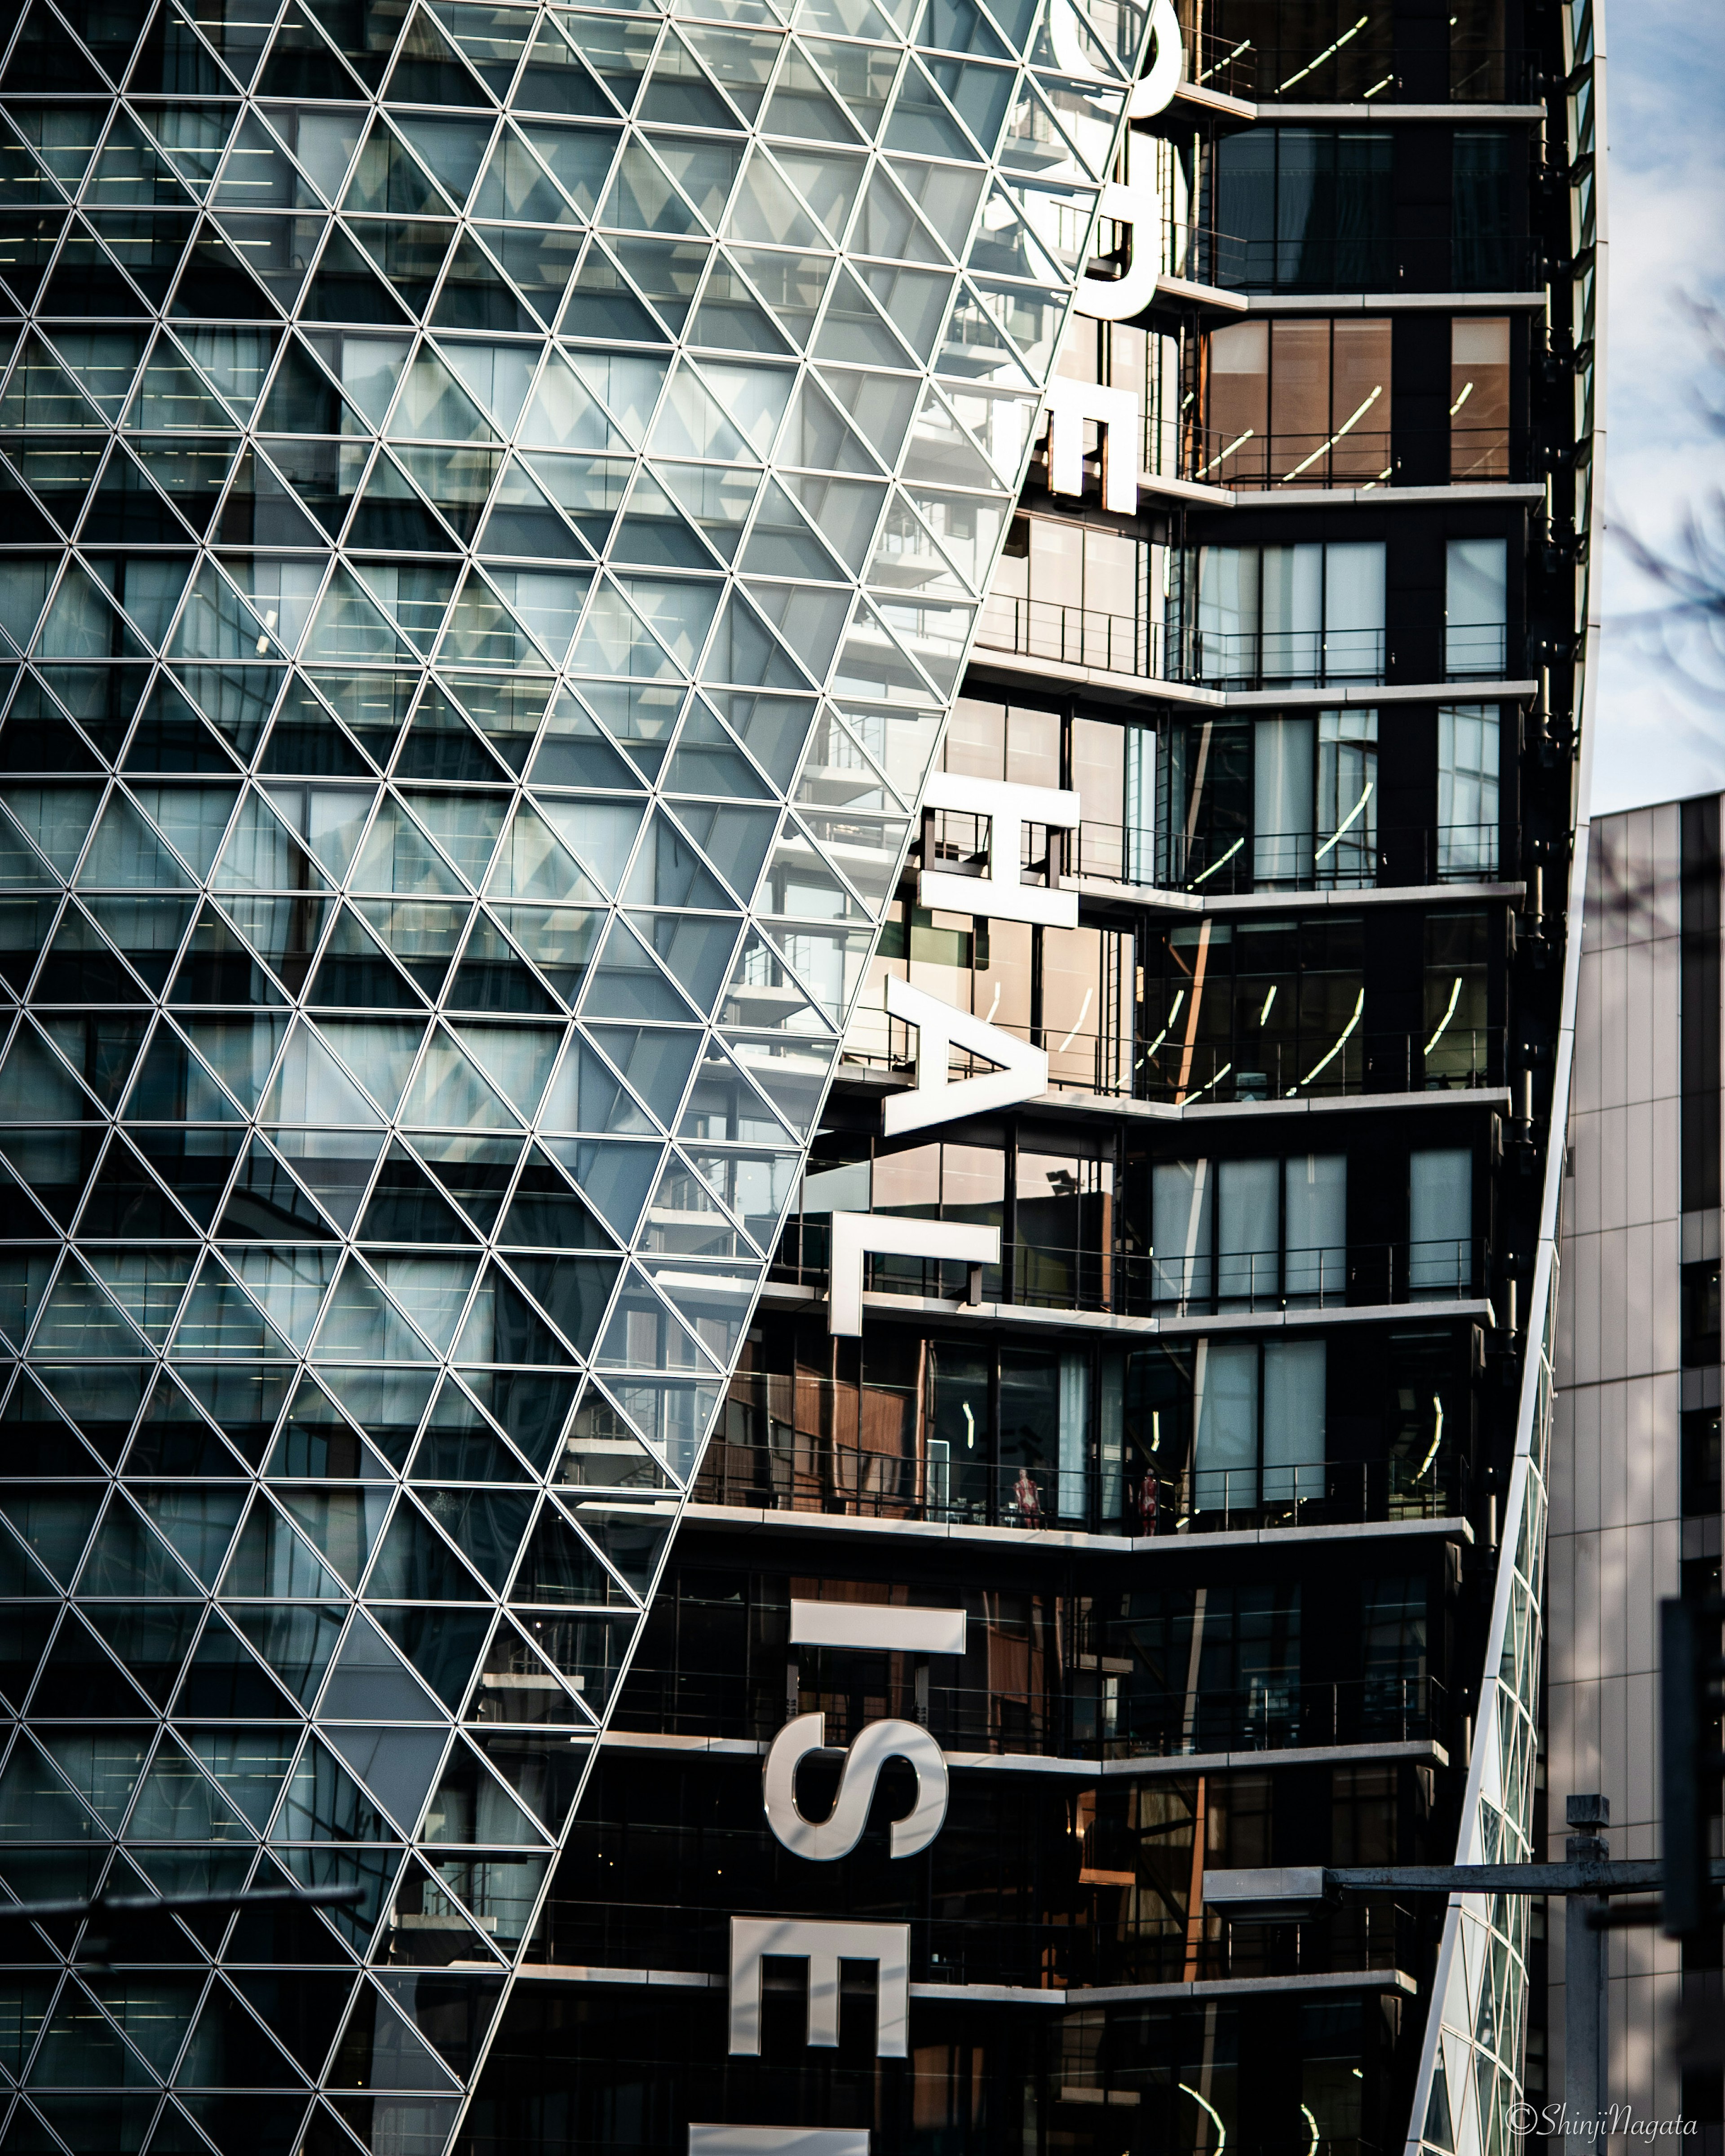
[1170,1071]
[1037,1275]
[1250,462]
[1071,635]
[1354,1063]
[1234,864]
[1359,69]
[1378,264]
[1252,659]
[1094,1936]
[759,1464]
[1069,1720]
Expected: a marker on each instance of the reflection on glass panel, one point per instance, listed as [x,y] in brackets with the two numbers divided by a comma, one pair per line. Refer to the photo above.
[1456,1051]
[1468,812]
[1439,1222]
[1476,607]
[1479,397]
[1296,404]
[1299,615]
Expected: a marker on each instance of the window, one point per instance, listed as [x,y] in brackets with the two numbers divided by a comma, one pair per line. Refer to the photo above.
[1064,1230]
[937,1182]
[1479,397]
[1393,1625]
[1251,1010]
[1467,791]
[1305,209]
[1086,980]
[1259,1427]
[1204,804]
[1106,769]
[1070,592]
[1012,741]
[1322,52]
[1477,58]
[1426,1424]
[1457,1046]
[1297,403]
[1476,608]
[1250,1234]
[1701,1314]
[1045,1436]
[1489,251]
[1299,615]
[1699,1461]
[1314,817]
[1439,1222]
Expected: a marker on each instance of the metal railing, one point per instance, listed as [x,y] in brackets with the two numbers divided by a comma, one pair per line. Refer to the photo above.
[1231,863]
[1485,262]
[1078,1062]
[1040,1276]
[1253,462]
[1095,1936]
[1226,1499]
[1282,658]
[1071,635]
[1073,1717]
[1327,1277]
[789,1470]
[1359,67]
[1349,1061]
[1248,461]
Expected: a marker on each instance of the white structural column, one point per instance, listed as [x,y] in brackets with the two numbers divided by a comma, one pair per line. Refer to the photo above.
[998,895]
[822,1944]
[855,1234]
[938,1097]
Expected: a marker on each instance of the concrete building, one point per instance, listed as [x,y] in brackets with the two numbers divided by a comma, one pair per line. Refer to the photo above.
[1635,1496]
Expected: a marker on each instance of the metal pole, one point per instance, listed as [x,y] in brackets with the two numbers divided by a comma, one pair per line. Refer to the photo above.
[1585,2018]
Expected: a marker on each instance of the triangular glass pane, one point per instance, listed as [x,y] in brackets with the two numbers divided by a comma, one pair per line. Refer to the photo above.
[428,70]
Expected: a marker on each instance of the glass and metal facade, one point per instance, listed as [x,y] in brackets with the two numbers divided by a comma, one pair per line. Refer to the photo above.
[495,502]
[785,822]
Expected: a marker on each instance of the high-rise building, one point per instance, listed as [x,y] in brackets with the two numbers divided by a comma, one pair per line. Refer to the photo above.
[542,620]
[1140,1448]
[1634,1513]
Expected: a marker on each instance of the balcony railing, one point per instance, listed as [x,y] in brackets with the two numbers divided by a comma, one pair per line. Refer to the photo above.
[789,1470]
[1352,1062]
[1253,462]
[1040,1276]
[1320,1279]
[1282,659]
[1512,262]
[1073,1717]
[1228,864]
[1071,635]
[1349,1061]
[1357,70]
[1104,1939]
[1248,659]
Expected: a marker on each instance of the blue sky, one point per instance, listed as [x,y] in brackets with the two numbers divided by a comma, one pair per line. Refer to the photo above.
[1656,736]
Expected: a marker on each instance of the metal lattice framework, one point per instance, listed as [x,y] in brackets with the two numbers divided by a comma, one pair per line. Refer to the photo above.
[495,502]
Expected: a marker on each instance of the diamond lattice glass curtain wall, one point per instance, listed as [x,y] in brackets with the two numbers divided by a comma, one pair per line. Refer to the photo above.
[496,500]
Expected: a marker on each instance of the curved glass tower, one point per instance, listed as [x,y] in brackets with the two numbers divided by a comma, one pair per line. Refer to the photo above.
[495,502]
